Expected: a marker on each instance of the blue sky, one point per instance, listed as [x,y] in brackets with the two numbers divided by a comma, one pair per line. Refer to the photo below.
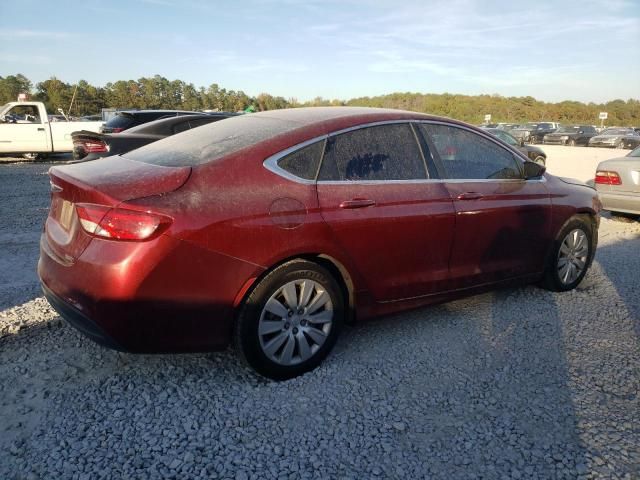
[587,50]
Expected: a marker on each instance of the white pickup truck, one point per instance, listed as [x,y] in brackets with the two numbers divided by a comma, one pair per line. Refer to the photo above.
[25,129]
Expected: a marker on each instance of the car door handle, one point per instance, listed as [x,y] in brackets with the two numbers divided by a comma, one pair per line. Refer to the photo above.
[358,203]
[469,196]
[41,129]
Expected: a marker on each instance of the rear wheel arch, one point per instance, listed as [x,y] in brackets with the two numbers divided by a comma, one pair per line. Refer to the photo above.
[336,268]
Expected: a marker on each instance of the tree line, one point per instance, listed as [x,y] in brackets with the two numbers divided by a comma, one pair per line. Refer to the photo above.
[158,92]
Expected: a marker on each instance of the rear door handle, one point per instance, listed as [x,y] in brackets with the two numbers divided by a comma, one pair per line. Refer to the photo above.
[41,129]
[358,203]
[469,196]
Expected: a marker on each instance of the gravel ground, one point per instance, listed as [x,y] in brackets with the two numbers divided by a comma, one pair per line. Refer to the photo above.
[518,383]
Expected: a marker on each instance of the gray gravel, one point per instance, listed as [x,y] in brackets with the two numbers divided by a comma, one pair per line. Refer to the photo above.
[519,383]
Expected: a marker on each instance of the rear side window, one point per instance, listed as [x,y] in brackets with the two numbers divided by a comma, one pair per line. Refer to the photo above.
[384,152]
[467,155]
[303,163]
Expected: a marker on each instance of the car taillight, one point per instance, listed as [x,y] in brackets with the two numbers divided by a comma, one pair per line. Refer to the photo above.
[120,223]
[95,147]
[117,129]
[605,177]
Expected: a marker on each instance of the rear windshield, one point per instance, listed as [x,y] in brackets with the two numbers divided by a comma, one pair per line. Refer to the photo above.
[211,142]
[120,121]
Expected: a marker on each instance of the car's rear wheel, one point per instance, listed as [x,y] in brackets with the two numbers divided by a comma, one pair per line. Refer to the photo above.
[532,140]
[570,256]
[620,144]
[290,321]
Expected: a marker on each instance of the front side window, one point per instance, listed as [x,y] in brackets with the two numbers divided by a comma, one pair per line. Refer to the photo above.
[303,163]
[467,155]
[383,152]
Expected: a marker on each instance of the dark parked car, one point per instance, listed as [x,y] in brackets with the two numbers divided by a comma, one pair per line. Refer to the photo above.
[126,119]
[272,229]
[533,153]
[534,132]
[91,145]
[571,135]
[616,138]
[618,183]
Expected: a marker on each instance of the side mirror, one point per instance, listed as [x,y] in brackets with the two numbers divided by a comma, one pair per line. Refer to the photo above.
[533,170]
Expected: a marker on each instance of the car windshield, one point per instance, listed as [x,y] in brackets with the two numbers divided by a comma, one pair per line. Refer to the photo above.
[617,131]
[572,129]
[529,126]
[634,153]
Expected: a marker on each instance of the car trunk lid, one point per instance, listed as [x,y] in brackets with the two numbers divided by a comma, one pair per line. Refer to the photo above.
[101,182]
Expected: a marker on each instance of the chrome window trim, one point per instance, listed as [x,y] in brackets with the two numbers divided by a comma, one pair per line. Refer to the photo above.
[271,162]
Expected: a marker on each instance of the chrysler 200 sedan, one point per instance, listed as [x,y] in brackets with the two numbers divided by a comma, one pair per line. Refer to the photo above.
[271,230]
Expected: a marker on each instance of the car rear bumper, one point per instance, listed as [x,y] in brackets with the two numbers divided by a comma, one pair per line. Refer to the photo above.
[168,296]
[80,321]
[616,202]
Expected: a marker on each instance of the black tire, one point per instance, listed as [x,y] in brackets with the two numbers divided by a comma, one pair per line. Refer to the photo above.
[551,280]
[620,144]
[571,142]
[532,140]
[246,336]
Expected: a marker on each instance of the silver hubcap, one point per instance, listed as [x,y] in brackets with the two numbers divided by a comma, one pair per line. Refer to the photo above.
[295,322]
[572,257]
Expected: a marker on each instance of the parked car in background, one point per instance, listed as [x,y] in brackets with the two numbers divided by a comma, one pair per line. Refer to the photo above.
[533,153]
[267,230]
[91,145]
[126,119]
[616,138]
[618,183]
[570,135]
[507,127]
[534,132]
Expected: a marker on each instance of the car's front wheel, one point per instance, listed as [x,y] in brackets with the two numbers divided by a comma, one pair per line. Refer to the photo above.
[570,256]
[620,144]
[532,140]
[290,321]
[571,142]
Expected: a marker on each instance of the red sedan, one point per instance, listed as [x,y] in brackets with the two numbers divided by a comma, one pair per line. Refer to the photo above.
[272,229]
